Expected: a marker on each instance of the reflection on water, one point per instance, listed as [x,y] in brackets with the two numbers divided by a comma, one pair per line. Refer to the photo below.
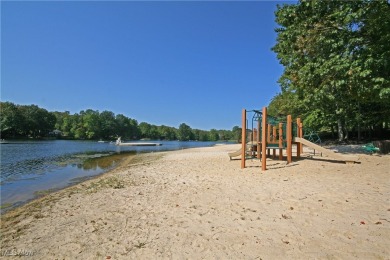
[105,162]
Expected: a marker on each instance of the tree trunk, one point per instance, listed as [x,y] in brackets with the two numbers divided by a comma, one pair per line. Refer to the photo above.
[358,126]
[340,130]
[346,133]
[359,137]
[333,131]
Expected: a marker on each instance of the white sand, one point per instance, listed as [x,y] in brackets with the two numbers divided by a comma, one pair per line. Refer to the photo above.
[196,204]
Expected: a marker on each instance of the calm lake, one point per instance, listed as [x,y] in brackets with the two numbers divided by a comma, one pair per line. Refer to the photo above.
[29,168]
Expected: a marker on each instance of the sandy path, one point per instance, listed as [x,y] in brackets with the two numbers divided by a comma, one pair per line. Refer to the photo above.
[197,204]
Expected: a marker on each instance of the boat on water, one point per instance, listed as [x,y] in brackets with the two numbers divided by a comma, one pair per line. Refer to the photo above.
[120,143]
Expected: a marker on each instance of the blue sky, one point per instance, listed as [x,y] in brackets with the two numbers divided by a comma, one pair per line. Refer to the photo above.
[167,63]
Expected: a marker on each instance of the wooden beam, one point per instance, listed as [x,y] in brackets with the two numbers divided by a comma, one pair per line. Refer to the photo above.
[301,136]
[274,140]
[299,147]
[274,133]
[258,139]
[280,141]
[289,139]
[264,140]
[243,138]
[269,130]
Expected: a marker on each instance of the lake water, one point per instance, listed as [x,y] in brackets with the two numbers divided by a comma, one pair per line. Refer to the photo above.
[30,167]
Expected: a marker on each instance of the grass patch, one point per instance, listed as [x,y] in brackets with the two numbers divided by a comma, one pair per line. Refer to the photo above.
[41,193]
[140,245]
[6,205]
[38,216]
[145,158]
[113,182]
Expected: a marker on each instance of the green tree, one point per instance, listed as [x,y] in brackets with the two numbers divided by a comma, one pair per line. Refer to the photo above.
[285,103]
[123,126]
[145,130]
[185,132]
[91,124]
[213,135]
[203,136]
[197,134]
[336,60]
[167,133]
[200,135]
[236,133]
[135,132]
[63,122]
[37,122]
[78,129]
[10,119]
[225,135]
[108,125]
[67,124]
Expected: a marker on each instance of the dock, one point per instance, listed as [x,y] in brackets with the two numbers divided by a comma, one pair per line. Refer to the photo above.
[139,144]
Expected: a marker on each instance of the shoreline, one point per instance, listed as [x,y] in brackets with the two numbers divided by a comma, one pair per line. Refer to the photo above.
[70,173]
[44,192]
[41,194]
[195,203]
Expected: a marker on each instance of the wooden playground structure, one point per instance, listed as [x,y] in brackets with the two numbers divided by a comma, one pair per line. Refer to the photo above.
[269,133]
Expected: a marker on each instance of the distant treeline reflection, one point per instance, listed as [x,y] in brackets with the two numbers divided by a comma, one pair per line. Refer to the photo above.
[104,162]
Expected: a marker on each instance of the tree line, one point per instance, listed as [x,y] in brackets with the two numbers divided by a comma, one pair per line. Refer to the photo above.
[18,121]
[336,58]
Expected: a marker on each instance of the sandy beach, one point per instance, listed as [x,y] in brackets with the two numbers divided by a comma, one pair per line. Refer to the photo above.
[197,204]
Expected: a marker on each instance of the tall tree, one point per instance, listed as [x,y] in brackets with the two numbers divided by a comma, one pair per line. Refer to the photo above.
[185,132]
[146,130]
[213,135]
[236,133]
[135,132]
[91,123]
[37,122]
[108,124]
[336,59]
[77,129]
[123,126]
[166,133]
[11,119]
